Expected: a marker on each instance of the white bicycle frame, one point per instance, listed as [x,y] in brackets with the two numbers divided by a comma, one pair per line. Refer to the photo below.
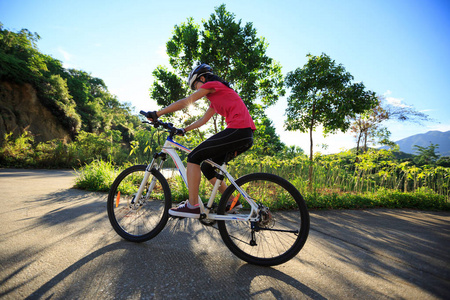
[169,148]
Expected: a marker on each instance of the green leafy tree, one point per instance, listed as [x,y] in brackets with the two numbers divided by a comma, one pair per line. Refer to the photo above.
[233,50]
[266,141]
[57,92]
[78,100]
[21,62]
[426,155]
[19,57]
[322,93]
[444,161]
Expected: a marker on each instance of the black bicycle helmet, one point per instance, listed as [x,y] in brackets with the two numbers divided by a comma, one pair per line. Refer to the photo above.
[197,73]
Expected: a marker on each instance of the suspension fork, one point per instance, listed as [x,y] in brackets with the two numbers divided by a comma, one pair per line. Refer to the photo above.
[153,165]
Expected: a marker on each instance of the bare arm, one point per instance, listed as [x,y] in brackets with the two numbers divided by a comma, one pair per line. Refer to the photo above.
[180,104]
[202,121]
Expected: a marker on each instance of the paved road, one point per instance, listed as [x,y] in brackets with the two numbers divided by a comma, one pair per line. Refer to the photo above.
[56,243]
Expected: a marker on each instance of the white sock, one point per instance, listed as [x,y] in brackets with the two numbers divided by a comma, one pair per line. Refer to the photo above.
[189,205]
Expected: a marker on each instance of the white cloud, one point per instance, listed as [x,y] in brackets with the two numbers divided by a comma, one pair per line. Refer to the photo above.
[398,102]
[66,55]
[439,127]
[66,58]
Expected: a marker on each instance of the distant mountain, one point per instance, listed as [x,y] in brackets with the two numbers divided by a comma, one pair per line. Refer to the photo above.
[424,140]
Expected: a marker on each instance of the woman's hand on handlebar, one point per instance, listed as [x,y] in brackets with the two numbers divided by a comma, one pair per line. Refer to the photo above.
[181,132]
[152,116]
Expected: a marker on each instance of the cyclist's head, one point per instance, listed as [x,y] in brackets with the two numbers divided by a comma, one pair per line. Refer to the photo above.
[198,72]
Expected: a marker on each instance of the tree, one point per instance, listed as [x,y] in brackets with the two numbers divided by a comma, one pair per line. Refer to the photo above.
[322,94]
[367,126]
[19,57]
[266,141]
[235,53]
[78,100]
[426,155]
[444,161]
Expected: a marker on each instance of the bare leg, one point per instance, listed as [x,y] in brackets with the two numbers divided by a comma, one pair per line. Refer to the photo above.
[222,186]
[193,177]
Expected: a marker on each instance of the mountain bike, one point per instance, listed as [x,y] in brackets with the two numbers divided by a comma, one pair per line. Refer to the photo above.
[271,227]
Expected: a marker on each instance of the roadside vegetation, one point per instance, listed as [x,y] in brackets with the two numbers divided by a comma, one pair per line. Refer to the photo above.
[107,136]
[374,179]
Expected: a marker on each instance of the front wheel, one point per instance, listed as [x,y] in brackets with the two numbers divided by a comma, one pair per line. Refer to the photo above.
[139,219]
[283,224]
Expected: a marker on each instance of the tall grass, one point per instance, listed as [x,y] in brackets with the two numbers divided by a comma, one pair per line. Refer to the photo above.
[374,179]
[97,176]
[334,187]
[344,173]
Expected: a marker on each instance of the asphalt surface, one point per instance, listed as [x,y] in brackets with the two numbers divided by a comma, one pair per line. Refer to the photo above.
[56,243]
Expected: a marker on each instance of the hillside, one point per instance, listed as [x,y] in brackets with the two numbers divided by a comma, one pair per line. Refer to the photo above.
[424,140]
[38,95]
[21,109]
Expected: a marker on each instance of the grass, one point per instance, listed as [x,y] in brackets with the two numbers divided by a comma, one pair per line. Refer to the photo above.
[99,176]
[96,176]
[382,198]
[374,179]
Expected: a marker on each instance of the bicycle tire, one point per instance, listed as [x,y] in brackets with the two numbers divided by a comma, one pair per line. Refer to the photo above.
[272,241]
[143,221]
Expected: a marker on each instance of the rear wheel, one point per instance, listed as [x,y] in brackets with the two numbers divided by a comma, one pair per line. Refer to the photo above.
[282,229]
[139,220]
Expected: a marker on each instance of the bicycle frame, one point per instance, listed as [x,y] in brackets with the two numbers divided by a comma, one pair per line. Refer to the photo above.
[169,148]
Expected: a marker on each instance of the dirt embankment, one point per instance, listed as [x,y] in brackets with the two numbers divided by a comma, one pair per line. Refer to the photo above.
[20,108]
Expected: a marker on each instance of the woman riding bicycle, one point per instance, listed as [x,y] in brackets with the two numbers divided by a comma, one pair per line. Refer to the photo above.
[236,138]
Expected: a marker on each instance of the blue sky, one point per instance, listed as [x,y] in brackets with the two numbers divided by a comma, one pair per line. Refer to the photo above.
[397,48]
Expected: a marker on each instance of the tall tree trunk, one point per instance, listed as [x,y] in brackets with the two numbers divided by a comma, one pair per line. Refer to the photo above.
[365,142]
[311,128]
[310,160]
[357,144]
[358,141]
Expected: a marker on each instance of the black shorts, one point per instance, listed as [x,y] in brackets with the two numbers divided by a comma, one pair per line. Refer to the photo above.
[217,147]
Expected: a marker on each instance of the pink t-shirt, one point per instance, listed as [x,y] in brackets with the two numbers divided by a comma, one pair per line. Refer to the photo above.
[226,102]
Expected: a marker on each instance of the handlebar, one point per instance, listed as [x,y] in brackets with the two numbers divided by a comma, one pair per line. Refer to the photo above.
[169,126]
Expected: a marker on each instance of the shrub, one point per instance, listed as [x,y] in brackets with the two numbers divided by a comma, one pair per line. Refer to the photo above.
[96,176]
[17,152]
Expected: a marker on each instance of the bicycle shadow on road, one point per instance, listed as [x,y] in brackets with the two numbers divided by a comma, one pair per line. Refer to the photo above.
[68,205]
[282,285]
[62,246]
[123,270]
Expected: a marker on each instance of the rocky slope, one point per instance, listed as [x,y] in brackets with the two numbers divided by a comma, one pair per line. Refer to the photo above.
[20,108]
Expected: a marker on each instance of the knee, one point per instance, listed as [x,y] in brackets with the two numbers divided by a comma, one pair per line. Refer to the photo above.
[208,171]
[190,159]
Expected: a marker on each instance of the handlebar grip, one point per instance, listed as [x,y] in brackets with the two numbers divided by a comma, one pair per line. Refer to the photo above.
[156,123]
[149,114]
[144,113]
